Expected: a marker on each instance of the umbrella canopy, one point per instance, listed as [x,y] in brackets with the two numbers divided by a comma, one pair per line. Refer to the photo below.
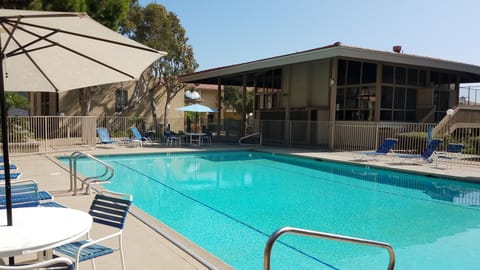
[196,108]
[59,51]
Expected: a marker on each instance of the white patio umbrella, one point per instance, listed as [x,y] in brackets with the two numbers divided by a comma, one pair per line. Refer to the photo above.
[58,51]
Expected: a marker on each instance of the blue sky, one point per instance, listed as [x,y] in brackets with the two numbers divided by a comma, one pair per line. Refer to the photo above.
[226,32]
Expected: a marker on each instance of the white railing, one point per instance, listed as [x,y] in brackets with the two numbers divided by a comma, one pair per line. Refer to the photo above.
[360,136]
[44,134]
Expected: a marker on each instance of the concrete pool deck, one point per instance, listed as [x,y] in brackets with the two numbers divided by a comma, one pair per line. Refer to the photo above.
[146,240]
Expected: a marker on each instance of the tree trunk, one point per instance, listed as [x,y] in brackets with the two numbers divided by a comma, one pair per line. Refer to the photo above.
[165,110]
[84,100]
[153,106]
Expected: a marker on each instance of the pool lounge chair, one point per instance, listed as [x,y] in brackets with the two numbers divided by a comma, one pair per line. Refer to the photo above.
[451,154]
[25,193]
[12,167]
[426,156]
[13,175]
[105,138]
[384,149]
[138,137]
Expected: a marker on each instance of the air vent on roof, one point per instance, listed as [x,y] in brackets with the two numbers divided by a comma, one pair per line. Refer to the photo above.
[397,49]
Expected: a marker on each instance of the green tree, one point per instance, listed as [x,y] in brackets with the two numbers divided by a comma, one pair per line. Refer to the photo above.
[58,5]
[157,28]
[233,98]
[16,100]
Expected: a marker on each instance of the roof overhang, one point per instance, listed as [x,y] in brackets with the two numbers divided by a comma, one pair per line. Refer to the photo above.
[332,51]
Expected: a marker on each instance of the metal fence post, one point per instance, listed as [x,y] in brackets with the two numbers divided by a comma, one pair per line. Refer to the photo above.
[46,133]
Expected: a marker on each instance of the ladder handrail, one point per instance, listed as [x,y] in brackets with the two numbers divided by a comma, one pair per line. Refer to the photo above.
[89,180]
[329,236]
[248,136]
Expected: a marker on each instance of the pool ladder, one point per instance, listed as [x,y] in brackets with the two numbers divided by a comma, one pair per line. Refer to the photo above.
[248,136]
[336,237]
[98,179]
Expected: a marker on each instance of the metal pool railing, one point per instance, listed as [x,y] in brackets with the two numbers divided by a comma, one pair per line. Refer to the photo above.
[329,236]
[97,179]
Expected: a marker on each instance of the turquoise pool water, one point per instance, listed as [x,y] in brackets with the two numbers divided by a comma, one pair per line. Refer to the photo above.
[230,202]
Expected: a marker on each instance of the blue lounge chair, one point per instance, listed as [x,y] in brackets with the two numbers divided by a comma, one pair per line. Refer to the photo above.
[110,210]
[451,154]
[25,193]
[12,167]
[426,156]
[104,136]
[138,137]
[13,175]
[382,150]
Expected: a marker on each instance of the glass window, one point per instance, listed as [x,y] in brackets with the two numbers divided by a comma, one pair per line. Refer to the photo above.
[342,71]
[444,78]
[435,77]
[411,116]
[399,100]
[257,102]
[369,73]
[340,98]
[400,75]
[442,101]
[351,97]
[339,115]
[412,76]
[385,115]
[387,97]
[274,100]
[398,115]
[351,115]
[353,72]
[411,99]
[387,74]
[422,78]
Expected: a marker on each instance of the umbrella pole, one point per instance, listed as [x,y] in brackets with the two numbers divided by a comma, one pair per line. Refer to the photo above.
[6,158]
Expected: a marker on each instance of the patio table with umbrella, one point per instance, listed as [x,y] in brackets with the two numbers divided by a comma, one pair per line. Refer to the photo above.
[59,51]
[196,108]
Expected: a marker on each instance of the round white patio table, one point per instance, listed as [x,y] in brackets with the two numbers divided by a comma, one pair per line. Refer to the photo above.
[40,228]
[195,137]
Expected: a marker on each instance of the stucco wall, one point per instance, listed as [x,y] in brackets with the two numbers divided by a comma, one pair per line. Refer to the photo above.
[103,103]
[308,85]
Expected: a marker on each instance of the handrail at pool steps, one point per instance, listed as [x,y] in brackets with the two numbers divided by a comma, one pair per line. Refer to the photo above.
[329,236]
[98,179]
[248,136]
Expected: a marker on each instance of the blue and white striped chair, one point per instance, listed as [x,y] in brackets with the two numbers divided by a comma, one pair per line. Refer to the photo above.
[106,210]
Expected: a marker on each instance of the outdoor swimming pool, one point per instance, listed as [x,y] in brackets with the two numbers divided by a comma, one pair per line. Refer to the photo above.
[230,202]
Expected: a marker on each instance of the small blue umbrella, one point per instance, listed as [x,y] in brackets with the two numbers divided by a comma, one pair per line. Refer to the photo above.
[196,108]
